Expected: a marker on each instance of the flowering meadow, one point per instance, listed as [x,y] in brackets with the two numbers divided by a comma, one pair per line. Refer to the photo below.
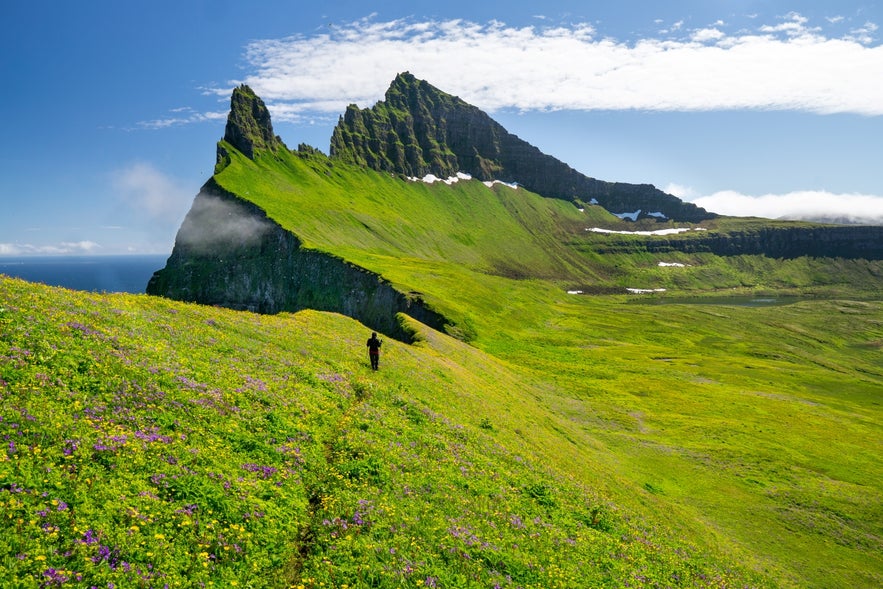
[149,443]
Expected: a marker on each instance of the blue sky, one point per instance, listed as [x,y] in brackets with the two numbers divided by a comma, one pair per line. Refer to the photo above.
[112,109]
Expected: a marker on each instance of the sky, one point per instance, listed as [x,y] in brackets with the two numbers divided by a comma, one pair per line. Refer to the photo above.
[112,110]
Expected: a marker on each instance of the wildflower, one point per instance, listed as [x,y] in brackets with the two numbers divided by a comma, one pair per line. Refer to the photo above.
[70,446]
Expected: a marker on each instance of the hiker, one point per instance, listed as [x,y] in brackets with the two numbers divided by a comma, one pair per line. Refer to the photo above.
[374,349]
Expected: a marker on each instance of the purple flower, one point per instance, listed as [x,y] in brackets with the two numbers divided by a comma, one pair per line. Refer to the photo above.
[264,471]
[70,446]
[54,577]
[61,506]
[85,329]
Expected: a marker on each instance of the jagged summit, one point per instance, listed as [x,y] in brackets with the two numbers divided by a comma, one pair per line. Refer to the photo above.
[248,125]
[418,129]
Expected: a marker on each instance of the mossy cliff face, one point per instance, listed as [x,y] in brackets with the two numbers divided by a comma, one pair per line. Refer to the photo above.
[418,129]
[228,253]
[819,241]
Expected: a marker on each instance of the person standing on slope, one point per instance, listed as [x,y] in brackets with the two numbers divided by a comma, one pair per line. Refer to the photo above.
[374,350]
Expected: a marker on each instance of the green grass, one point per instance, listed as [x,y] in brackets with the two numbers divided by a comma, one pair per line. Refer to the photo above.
[466,236]
[148,442]
[719,446]
[580,440]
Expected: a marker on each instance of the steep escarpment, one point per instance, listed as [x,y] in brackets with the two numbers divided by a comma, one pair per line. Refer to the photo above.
[229,253]
[418,129]
[818,241]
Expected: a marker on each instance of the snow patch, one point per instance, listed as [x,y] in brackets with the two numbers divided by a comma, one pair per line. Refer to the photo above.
[490,183]
[631,216]
[432,178]
[670,231]
[645,290]
[574,292]
[658,215]
[671,265]
[594,201]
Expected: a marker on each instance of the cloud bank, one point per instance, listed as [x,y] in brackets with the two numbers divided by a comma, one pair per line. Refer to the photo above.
[785,65]
[804,205]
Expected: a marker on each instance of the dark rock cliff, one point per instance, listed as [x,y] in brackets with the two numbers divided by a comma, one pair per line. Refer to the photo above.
[418,129]
[832,241]
[229,253]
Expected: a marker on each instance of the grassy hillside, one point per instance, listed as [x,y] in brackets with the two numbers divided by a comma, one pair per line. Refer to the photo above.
[153,442]
[454,242]
[601,440]
[759,426]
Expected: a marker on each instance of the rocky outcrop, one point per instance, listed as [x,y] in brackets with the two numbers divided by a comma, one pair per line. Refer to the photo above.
[249,128]
[819,241]
[229,253]
[418,129]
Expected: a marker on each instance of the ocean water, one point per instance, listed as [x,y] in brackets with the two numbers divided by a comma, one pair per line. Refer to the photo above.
[91,273]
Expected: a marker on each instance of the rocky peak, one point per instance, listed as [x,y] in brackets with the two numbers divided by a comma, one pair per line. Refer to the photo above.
[418,129]
[249,128]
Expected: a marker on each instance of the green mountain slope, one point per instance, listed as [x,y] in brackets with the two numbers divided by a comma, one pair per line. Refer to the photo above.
[595,440]
[148,443]
[418,129]
[617,445]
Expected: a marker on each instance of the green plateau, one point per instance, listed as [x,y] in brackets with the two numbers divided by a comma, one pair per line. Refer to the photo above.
[533,423]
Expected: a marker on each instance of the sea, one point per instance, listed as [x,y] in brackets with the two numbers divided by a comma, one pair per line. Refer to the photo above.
[122,273]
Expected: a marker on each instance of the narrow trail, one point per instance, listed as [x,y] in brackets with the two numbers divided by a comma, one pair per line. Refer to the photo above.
[306,534]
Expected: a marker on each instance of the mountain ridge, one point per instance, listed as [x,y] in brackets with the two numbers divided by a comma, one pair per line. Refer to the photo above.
[418,129]
[297,217]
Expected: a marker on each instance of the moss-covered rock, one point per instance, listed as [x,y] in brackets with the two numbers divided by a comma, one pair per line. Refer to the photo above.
[418,129]
[249,128]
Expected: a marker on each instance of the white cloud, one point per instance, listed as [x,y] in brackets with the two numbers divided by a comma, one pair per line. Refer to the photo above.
[794,25]
[680,191]
[65,247]
[183,116]
[798,205]
[706,35]
[150,192]
[863,34]
[786,65]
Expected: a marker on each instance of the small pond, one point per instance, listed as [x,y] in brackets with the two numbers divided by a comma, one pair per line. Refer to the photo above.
[730,301]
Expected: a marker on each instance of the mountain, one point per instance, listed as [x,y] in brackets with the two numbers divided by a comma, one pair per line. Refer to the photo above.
[418,130]
[278,230]
[537,421]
